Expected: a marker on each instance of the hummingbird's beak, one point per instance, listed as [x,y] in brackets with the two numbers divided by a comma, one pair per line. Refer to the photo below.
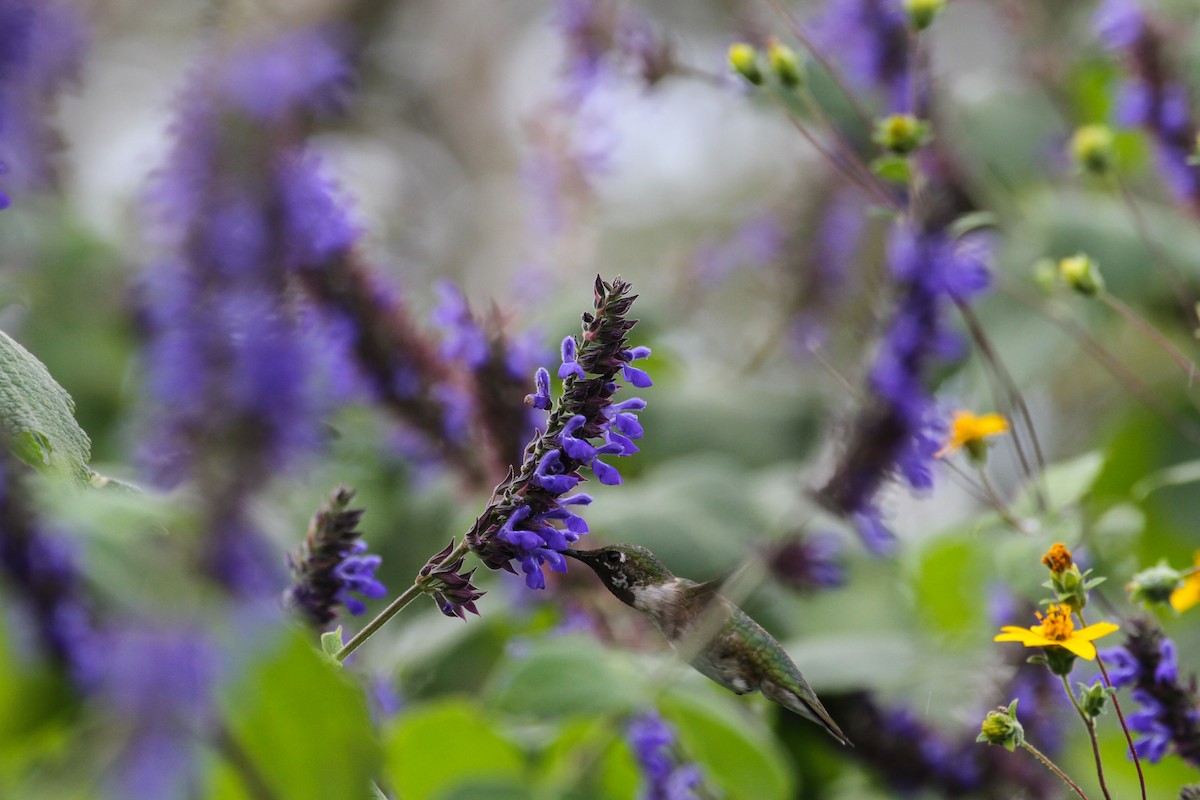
[581,555]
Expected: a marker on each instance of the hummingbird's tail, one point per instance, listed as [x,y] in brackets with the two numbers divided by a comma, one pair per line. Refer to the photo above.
[806,704]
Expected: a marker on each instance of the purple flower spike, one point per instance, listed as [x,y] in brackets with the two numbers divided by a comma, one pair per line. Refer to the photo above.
[1167,720]
[331,564]
[653,744]
[529,523]
[569,365]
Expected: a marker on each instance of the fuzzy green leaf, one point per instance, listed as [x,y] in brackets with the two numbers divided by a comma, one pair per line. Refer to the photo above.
[39,415]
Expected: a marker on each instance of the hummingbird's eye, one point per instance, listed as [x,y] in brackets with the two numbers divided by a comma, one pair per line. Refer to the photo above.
[613,557]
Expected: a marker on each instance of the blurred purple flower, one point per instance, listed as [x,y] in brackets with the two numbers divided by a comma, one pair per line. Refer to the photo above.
[652,741]
[1153,96]
[807,563]
[1169,717]
[757,241]
[232,378]
[901,429]
[41,49]
[39,566]
[159,682]
[868,39]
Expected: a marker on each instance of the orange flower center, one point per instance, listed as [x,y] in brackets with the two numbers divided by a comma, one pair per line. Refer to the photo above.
[1058,558]
[1056,623]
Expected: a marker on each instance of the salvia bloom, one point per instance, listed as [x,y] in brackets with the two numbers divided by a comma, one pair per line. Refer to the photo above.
[530,520]
[807,563]
[41,45]
[239,205]
[332,566]
[449,586]
[869,41]
[159,682]
[663,776]
[1169,717]
[910,756]
[1152,97]
[495,369]
[901,430]
[39,567]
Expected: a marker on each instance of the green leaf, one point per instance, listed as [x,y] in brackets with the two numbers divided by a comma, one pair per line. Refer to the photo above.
[302,724]
[892,168]
[740,758]
[331,644]
[39,415]
[589,759]
[1175,475]
[1065,483]
[566,675]
[447,746]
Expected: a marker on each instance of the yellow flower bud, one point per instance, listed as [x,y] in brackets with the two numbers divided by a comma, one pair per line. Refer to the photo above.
[1092,148]
[743,58]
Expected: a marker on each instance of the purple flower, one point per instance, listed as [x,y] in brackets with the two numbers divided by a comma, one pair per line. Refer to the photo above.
[901,428]
[1153,97]
[465,340]
[541,397]
[663,776]
[39,565]
[159,683]
[807,563]
[331,565]
[1168,717]
[41,50]
[232,369]
[868,39]
[529,523]
[570,366]
[1118,23]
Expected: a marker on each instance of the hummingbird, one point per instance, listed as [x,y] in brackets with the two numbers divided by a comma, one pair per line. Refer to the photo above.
[718,638]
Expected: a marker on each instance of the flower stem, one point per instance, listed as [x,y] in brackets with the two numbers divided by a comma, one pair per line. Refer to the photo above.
[1042,757]
[1137,762]
[406,597]
[1133,318]
[1091,729]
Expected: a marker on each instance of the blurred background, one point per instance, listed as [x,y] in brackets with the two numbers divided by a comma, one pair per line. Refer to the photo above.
[516,150]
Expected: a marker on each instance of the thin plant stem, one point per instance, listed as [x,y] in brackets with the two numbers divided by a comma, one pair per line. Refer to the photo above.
[1091,729]
[998,502]
[859,110]
[1174,276]
[394,608]
[1118,370]
[1137,762]
[1184,363]
[1042,757]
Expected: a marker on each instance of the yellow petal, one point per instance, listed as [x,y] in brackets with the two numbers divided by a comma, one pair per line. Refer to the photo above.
[1095,631]
[1080,647]
[1188,595]
[1022,635]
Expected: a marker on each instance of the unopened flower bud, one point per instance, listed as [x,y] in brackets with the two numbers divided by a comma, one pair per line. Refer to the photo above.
[1001,727]
[921,13]
[1058,558]
[901,133]
[743,58]
[1082,274]
[785,64]
[1154,586]
[1092,148]
[1094,699]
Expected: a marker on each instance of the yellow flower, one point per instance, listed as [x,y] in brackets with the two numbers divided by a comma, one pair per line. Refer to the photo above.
[1057,630]
[1188,595]
[969,431]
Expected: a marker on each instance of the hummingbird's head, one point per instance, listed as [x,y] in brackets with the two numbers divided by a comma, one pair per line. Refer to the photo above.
[622,567]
